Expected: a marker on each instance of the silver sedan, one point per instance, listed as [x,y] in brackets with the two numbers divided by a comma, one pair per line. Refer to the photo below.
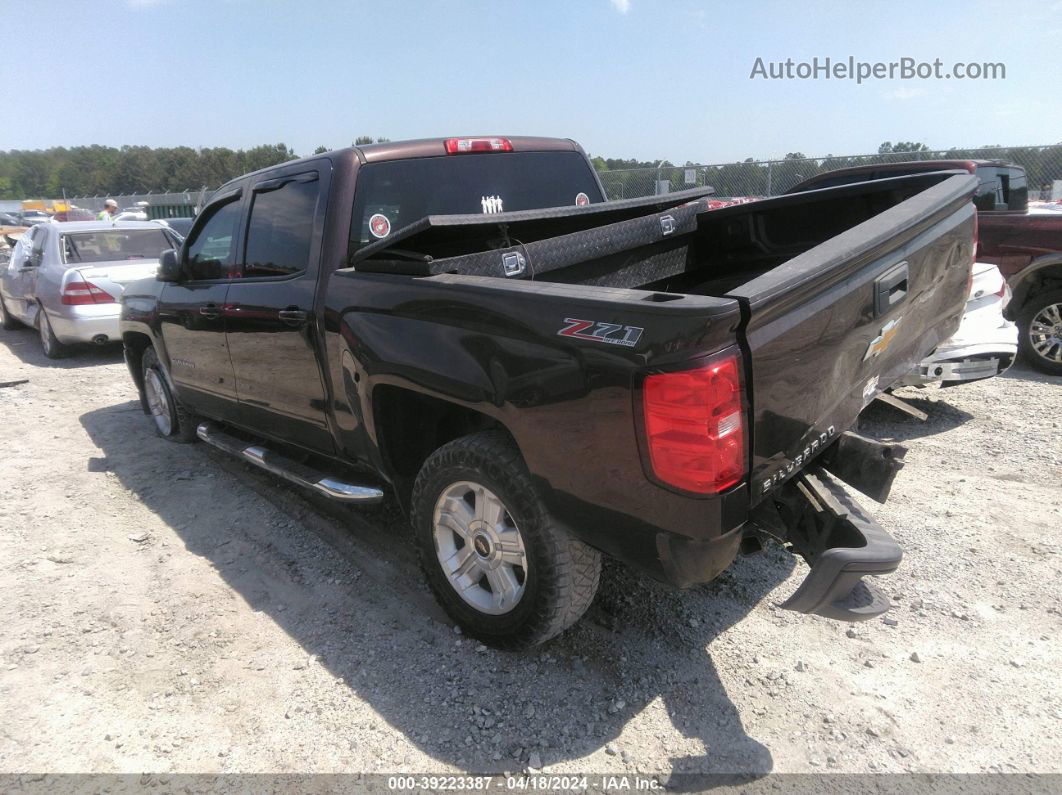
[66,279]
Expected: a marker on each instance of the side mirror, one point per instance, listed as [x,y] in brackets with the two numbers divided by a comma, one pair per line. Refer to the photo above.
[169,267]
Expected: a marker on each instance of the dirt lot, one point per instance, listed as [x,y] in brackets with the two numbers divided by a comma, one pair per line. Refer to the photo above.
[168,609]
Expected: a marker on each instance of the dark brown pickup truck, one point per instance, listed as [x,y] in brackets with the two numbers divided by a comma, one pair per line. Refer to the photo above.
[1025,244]
[541,377]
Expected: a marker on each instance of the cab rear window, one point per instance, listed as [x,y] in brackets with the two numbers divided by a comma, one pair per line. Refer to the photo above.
[397,193]
[114,244]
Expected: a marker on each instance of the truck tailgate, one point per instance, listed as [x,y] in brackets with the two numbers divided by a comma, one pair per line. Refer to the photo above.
[829,329]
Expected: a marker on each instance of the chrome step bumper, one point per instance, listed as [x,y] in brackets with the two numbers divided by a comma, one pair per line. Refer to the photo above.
[284,467]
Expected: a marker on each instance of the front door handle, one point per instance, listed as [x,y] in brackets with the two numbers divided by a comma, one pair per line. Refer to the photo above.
[210,311]
[292,316]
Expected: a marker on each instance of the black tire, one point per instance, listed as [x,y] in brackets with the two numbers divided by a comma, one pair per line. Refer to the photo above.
[1048,359]
[7,320]
[561,574]
[170,419]
[53,348]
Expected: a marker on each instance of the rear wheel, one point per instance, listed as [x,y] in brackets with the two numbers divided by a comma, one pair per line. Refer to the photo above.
[53,348]
[7,320]
[492,553]
[171,420]
[1040,338]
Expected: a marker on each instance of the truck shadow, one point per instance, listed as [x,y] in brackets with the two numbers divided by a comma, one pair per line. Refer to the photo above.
[885,422]
[344,584]
[26,345]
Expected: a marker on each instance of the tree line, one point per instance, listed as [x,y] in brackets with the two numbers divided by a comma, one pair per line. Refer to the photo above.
[108,170]
[629,178]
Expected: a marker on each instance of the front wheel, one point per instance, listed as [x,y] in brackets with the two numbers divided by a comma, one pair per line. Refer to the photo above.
[1040,331]
[492,554]
[53,348]
[171,420]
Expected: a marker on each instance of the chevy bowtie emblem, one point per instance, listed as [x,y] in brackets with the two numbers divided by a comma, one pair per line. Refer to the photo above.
[883,340]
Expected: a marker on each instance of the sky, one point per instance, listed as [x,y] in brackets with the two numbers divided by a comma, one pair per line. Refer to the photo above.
[625,78]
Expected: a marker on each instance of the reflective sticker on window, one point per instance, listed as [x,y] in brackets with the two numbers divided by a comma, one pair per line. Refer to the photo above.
[581,200]
[492,204]
[379,226]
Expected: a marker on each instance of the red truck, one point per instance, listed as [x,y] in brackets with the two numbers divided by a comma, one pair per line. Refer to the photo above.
[1025,244]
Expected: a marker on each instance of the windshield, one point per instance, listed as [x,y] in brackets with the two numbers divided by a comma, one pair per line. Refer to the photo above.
[115,244]
[397,193]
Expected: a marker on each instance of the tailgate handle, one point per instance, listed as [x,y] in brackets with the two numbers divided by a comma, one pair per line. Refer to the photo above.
[890,288]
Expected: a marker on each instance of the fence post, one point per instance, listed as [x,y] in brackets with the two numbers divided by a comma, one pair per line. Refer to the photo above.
[770,177]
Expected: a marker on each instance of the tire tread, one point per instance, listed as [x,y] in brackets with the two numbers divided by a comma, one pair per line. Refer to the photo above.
[568,580]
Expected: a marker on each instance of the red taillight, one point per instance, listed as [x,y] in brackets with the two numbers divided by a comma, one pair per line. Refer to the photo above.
[77,293]
[695,426]
[460,146]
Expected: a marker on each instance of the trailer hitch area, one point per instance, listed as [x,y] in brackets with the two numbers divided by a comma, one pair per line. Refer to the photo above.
[867,465]
[817,519]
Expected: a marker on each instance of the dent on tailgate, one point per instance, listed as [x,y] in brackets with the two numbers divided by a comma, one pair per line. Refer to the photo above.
[820,346]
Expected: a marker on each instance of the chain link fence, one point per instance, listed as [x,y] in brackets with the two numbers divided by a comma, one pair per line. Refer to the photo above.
[759,178]
[753,178]
[158,205]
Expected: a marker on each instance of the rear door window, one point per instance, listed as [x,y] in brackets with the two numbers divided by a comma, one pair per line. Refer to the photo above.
[397,193]
[281,227]
[114,244]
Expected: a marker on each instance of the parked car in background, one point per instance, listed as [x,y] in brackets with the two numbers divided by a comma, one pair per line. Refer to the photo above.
[10,219]
[179,226]
[1025,245]
[66,279]
[31,217]
[986,343]
[74,214]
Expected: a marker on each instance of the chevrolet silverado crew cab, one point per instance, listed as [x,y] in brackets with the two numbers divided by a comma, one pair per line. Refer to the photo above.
[541,377]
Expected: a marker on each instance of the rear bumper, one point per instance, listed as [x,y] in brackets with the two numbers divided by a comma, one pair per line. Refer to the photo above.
[842,544]
[971,363]
[89,323]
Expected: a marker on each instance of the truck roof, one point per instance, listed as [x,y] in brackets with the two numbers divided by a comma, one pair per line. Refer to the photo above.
[427,147]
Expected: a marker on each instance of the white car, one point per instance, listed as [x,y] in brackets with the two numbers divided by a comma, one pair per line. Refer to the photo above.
[985,344]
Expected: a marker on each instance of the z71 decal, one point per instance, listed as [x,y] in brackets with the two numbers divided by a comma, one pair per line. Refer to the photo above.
[594,331]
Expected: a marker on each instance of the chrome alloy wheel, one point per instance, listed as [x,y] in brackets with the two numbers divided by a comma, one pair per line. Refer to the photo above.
[158,401]
[480,548]
[1045,333]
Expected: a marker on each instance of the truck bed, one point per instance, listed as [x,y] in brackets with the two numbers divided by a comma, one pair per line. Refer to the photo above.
[835,294]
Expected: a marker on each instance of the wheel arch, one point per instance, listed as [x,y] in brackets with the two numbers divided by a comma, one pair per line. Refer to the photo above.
[1042,274]
[412,425]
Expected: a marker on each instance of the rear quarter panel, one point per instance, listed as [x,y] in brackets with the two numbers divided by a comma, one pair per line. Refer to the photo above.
[493,346]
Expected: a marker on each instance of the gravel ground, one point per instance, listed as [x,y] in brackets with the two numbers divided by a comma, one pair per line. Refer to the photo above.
[169,609]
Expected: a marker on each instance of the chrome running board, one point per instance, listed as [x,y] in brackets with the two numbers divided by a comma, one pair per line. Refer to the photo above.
[284,467]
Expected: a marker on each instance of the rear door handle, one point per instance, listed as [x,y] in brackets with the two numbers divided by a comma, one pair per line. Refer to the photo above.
[292,316]
[210,311]
[890,288]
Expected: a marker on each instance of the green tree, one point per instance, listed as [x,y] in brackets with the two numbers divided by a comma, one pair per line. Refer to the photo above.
[901,146]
